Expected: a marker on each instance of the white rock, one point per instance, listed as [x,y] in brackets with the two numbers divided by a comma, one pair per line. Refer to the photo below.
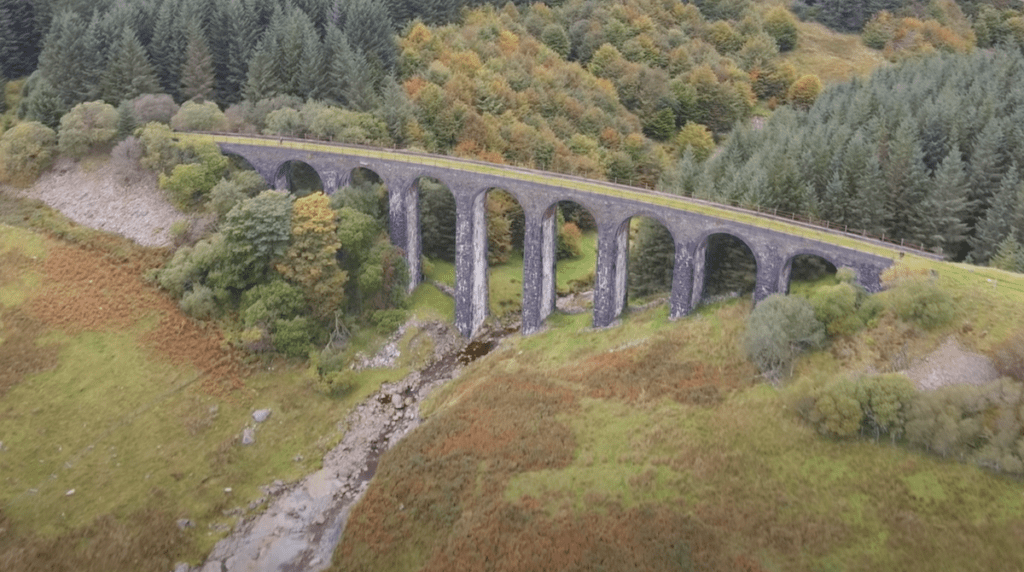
[261,415]
[69,493]
[248,436]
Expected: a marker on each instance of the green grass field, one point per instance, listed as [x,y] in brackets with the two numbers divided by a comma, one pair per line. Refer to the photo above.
[654,445]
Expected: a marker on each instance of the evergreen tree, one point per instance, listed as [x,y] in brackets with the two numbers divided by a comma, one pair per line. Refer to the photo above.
[68,60]
[197,69]
[947,204]
[997,223]
[370,30]
[988,164]
[262,80]
[42,102]
[1009,255]
[652,259]
[129,73]
[230,50]
[19,38]
[397,110]
[908,182]
[166,50]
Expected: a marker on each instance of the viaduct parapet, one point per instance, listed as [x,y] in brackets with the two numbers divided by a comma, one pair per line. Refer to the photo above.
[773,242]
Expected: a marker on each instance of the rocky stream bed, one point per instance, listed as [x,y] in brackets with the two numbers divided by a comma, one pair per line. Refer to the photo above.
[303,521]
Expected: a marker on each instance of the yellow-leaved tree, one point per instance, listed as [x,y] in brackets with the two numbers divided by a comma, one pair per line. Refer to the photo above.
[310,261]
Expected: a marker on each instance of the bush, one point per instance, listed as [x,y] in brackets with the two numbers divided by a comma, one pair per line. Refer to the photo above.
[780,25]
[922,301]
[266,303]
[151,107]
[836,308]
[876,405]
[388,321]
[225,195]
[161,152]
[293,337]
[200,303]
[192,265]
[778,330]
[569,241]
[286,122]
[190,182]
[195,116]
[1008,356]
[26,150]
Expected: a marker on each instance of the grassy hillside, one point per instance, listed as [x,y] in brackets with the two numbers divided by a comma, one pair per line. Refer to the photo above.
[832,56]
[119,415]
[654,446]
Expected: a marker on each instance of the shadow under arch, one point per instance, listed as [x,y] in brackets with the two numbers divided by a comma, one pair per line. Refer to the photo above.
[298,178]
[805,266]
[574,257]
[724,266]
[652,255]
[506,228]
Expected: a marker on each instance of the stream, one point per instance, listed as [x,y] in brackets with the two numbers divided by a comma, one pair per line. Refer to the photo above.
[304,521]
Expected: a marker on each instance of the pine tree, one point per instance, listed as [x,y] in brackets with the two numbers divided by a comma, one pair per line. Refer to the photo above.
[311,68]
[262,80]
[987,165]
[166,50]
[229,49]
[370,30]
[908,182]
[947,204]
[129,73]
[397,110]
[997,222]
[43,103]
[197,69]
[19,38]
[652,259]
[68,59]
[1009,255]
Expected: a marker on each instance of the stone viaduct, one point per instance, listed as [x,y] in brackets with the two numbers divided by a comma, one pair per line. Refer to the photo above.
[773,242]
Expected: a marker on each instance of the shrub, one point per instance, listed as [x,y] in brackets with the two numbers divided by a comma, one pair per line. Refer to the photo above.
[191,180]
[266,303]
[179,231]
[569,241]
[778,330]
[286,122]
[200,302]
[161,152]
[195,116]
[947,421]
[26,150]
[225,195]
[836,411]
[924,302]
[1008,356]
[388,321]
[293,337]
[150,107]
[192,265]
[836,308]
[780,25]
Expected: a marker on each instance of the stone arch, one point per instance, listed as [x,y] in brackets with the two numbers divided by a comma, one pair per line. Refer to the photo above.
[659,252]
[297,177]
[242,163]
[505,224]
[707,266]
[792,264]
